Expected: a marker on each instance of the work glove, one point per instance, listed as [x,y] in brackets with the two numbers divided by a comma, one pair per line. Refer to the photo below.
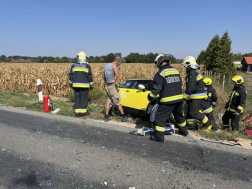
[149,97]
[236,113]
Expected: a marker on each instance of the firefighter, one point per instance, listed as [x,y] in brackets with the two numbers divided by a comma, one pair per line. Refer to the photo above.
[211,92]
[195,93]
[168,85]
[209,105]
[235,105]
[81,80]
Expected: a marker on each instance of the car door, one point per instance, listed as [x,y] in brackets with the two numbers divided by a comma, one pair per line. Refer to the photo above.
[139,98]
[125,91]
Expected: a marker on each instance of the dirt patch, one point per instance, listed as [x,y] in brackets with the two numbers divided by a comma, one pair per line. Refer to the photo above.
[94,115]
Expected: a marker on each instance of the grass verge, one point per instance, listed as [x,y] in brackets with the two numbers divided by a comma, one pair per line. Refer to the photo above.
[30,102]
[97,108]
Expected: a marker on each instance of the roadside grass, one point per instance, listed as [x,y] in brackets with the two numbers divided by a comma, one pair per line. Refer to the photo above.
[97,102]
[30,102]
[225,134]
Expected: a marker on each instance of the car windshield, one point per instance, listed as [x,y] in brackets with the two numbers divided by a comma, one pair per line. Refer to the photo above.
[128,84]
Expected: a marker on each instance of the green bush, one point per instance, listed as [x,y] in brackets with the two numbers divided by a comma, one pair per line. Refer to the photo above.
[97,96]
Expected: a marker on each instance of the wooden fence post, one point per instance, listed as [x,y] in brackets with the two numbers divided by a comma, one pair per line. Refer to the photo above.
[223,83]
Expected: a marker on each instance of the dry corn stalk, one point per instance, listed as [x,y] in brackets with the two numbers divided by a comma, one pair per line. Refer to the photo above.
[54,77]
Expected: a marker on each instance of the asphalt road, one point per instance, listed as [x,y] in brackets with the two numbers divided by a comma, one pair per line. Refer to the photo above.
[39,150]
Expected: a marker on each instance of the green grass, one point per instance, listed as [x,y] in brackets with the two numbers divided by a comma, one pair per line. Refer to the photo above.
[30,102]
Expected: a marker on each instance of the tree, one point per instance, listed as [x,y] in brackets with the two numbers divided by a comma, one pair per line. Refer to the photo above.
[42,59]
[74,60]
[133,58]
[3,57]
[201,57]
[224,58]
[50,59]
[210,53]
[110,57]
[118,54]
[173,60]
[65,59]
[238,56]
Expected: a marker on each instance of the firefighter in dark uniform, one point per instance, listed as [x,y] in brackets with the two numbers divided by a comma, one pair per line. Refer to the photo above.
[168,85]
[209,105]
[235,105]
[195,93]
[81,80]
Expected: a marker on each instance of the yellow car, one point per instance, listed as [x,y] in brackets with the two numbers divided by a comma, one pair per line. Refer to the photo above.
[134,98]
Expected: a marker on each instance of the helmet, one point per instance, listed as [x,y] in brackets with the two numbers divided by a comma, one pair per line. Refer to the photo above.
[207,81]
[156,59]
[190,62]
[238,79]
[162,58]
[82,56]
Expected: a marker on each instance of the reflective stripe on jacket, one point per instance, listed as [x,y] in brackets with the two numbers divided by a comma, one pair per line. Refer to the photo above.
[195,87]
[237,100]
[211,95]
[167,84]
[80,75]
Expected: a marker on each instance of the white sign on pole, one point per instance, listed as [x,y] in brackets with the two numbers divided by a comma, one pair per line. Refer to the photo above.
[40,94]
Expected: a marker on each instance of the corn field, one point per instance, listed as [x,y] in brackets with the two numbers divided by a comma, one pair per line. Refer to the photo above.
[22,77]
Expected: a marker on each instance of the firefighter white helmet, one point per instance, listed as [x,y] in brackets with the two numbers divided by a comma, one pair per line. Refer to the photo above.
[82,56]
[190,62]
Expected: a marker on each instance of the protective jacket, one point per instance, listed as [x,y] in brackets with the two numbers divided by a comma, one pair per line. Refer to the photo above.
[80,75]
[211,95]
[168,85]
[195,87]
[237,99]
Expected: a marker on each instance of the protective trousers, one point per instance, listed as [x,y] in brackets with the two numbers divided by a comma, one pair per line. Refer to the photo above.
[194,107]
[81,101]
[207,109]
[163,113]
[234,120]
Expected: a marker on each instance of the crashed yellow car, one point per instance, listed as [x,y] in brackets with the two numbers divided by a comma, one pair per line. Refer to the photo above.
[134,98]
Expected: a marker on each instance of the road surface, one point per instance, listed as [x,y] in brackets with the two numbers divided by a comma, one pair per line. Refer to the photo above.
[41,150]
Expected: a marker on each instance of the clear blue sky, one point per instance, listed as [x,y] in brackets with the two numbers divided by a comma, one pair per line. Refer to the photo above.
[98,27]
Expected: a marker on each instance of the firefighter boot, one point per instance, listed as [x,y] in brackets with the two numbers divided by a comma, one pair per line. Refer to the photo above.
[183,131]
[209,128]
[152,137]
